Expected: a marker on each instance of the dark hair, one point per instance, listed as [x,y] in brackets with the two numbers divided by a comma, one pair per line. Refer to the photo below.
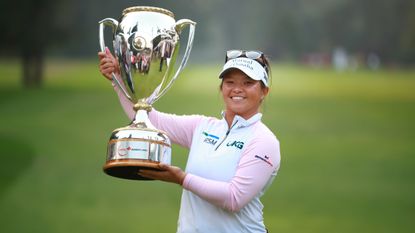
[267,64]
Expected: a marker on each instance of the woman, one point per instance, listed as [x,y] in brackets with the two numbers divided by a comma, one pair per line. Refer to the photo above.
[231,160]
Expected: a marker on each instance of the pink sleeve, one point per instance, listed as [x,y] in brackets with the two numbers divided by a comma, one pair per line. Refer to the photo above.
[258,164]
[178,128]
[125,103]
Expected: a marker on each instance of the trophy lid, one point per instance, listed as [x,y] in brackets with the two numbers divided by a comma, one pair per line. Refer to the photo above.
[147,8]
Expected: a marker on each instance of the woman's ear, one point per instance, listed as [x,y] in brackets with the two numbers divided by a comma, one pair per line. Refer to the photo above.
[265,92]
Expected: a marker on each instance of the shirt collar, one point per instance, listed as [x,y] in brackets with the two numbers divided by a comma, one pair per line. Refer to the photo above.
[241,122]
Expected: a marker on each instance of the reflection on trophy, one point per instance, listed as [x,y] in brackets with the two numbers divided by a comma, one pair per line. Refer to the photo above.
[146,44]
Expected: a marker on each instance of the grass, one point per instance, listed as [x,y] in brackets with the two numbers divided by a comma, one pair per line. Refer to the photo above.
[346,141]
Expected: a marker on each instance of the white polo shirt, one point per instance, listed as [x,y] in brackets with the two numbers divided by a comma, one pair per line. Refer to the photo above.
[228,170]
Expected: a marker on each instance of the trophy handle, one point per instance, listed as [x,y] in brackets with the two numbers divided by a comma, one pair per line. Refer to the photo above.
[113,24]
[180,24]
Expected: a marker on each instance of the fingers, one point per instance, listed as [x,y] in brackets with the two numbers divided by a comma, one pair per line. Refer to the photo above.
[107,51]
[164,166]
[101,55]
[106,68]
[106,57]
[105,54]
[165,173]
[107,64]
[151,174]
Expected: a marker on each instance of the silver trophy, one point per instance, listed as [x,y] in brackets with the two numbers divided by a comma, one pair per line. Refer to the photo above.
[146,44]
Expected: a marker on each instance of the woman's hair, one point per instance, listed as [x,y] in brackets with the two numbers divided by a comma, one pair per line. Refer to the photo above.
[268,69]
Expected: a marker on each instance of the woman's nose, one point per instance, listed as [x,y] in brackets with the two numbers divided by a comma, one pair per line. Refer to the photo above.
[237,88]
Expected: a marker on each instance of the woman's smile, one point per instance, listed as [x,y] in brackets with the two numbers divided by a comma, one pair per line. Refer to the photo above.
[237,98]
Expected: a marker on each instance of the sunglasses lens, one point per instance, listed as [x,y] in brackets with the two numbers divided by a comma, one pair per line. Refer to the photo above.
[253,54]
[231,54]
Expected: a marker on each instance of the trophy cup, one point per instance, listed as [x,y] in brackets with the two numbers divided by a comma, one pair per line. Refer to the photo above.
[146,44]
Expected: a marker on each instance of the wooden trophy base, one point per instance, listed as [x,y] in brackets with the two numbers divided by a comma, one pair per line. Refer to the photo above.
[129,168]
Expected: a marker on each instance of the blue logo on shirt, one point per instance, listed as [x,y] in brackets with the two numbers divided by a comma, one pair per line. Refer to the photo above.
[210,138]
[210,135]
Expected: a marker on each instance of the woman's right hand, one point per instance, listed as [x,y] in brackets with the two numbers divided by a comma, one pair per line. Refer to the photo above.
[108,64]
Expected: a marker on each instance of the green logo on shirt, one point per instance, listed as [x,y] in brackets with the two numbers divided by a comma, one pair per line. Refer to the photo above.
[236,144]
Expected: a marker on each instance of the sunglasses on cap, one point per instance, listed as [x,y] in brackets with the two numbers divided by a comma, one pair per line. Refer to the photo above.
[254,55]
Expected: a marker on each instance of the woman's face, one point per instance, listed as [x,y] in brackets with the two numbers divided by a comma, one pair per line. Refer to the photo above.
[241,94]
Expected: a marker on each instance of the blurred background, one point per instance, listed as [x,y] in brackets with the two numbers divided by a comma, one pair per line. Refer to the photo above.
[342,105]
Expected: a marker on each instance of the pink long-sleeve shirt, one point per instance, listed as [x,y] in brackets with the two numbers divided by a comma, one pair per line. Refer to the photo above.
[228,169]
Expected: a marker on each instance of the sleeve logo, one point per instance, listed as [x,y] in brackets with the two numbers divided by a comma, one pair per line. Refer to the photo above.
[265,159]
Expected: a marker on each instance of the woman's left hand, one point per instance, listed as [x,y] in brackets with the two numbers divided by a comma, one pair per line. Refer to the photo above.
[166,173]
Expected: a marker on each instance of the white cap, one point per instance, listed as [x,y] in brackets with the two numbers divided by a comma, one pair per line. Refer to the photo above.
[250,67]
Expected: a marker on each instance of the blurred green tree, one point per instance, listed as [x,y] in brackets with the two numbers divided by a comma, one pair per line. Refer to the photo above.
[28,28]
[285,29]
